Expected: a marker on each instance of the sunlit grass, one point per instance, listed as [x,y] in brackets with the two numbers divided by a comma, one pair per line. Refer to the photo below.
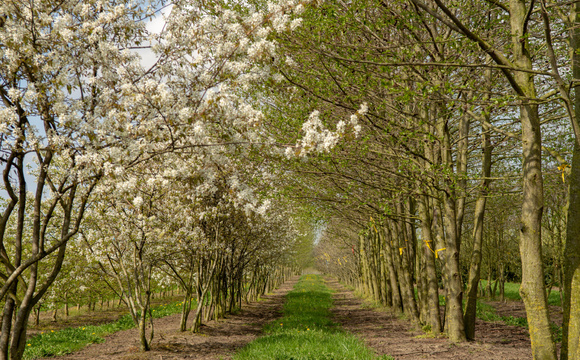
[512,292]
[306,331]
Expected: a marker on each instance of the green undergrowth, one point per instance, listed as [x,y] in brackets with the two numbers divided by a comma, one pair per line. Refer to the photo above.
[512,292]
[306,331]
[65,341]
[487,312]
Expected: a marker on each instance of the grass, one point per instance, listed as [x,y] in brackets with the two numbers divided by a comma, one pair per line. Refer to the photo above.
[65,341]
[512,292]
[306,331]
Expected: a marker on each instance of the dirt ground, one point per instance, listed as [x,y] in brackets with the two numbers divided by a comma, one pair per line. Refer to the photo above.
[390,335]
[381,330]
[217,340]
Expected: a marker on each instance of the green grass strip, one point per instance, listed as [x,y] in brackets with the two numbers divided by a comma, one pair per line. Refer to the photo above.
[65,341]
[306,331]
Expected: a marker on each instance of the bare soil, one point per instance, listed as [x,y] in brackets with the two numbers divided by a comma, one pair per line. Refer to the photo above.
[387,334]
[381,330]
[216,340]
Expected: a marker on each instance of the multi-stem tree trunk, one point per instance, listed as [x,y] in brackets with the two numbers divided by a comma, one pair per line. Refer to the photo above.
[405,279]
[532,287]
[204,282]
[363,263]
[376,279]
[428,239]
[397,299]
[454,307]
[185,309]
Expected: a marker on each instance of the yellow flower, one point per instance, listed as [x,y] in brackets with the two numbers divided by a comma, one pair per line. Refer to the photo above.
[28,345]
[51,330]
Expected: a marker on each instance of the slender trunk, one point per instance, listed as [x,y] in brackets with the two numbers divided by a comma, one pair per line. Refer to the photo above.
[185,308]
[430,270]
[475,265]
[410,303]
[363,263]
[54,313]
[571,284]
[10,305]
[375,268]
[454,309]
[488,282]
[8,313]
[66,304]
[397,301]
[143,343]
[571,292]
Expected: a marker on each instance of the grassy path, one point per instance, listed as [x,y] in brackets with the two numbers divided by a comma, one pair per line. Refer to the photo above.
[306,331]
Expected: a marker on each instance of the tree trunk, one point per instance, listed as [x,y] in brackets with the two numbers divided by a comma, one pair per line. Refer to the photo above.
[185,309]
[54,313]
[532,287]
[430,270]
[66,304]
[454,307]
[143,343]
[475,265]
[571,305]
[571,287]
[397,301]
[408,293]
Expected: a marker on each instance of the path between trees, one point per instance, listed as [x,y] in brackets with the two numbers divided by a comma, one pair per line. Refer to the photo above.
[381,330]
[387,334]
[217,340]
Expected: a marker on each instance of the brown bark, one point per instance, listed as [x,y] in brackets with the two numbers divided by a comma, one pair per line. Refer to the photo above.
[397,300]
[410,304]
[532,287]
[454,309]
